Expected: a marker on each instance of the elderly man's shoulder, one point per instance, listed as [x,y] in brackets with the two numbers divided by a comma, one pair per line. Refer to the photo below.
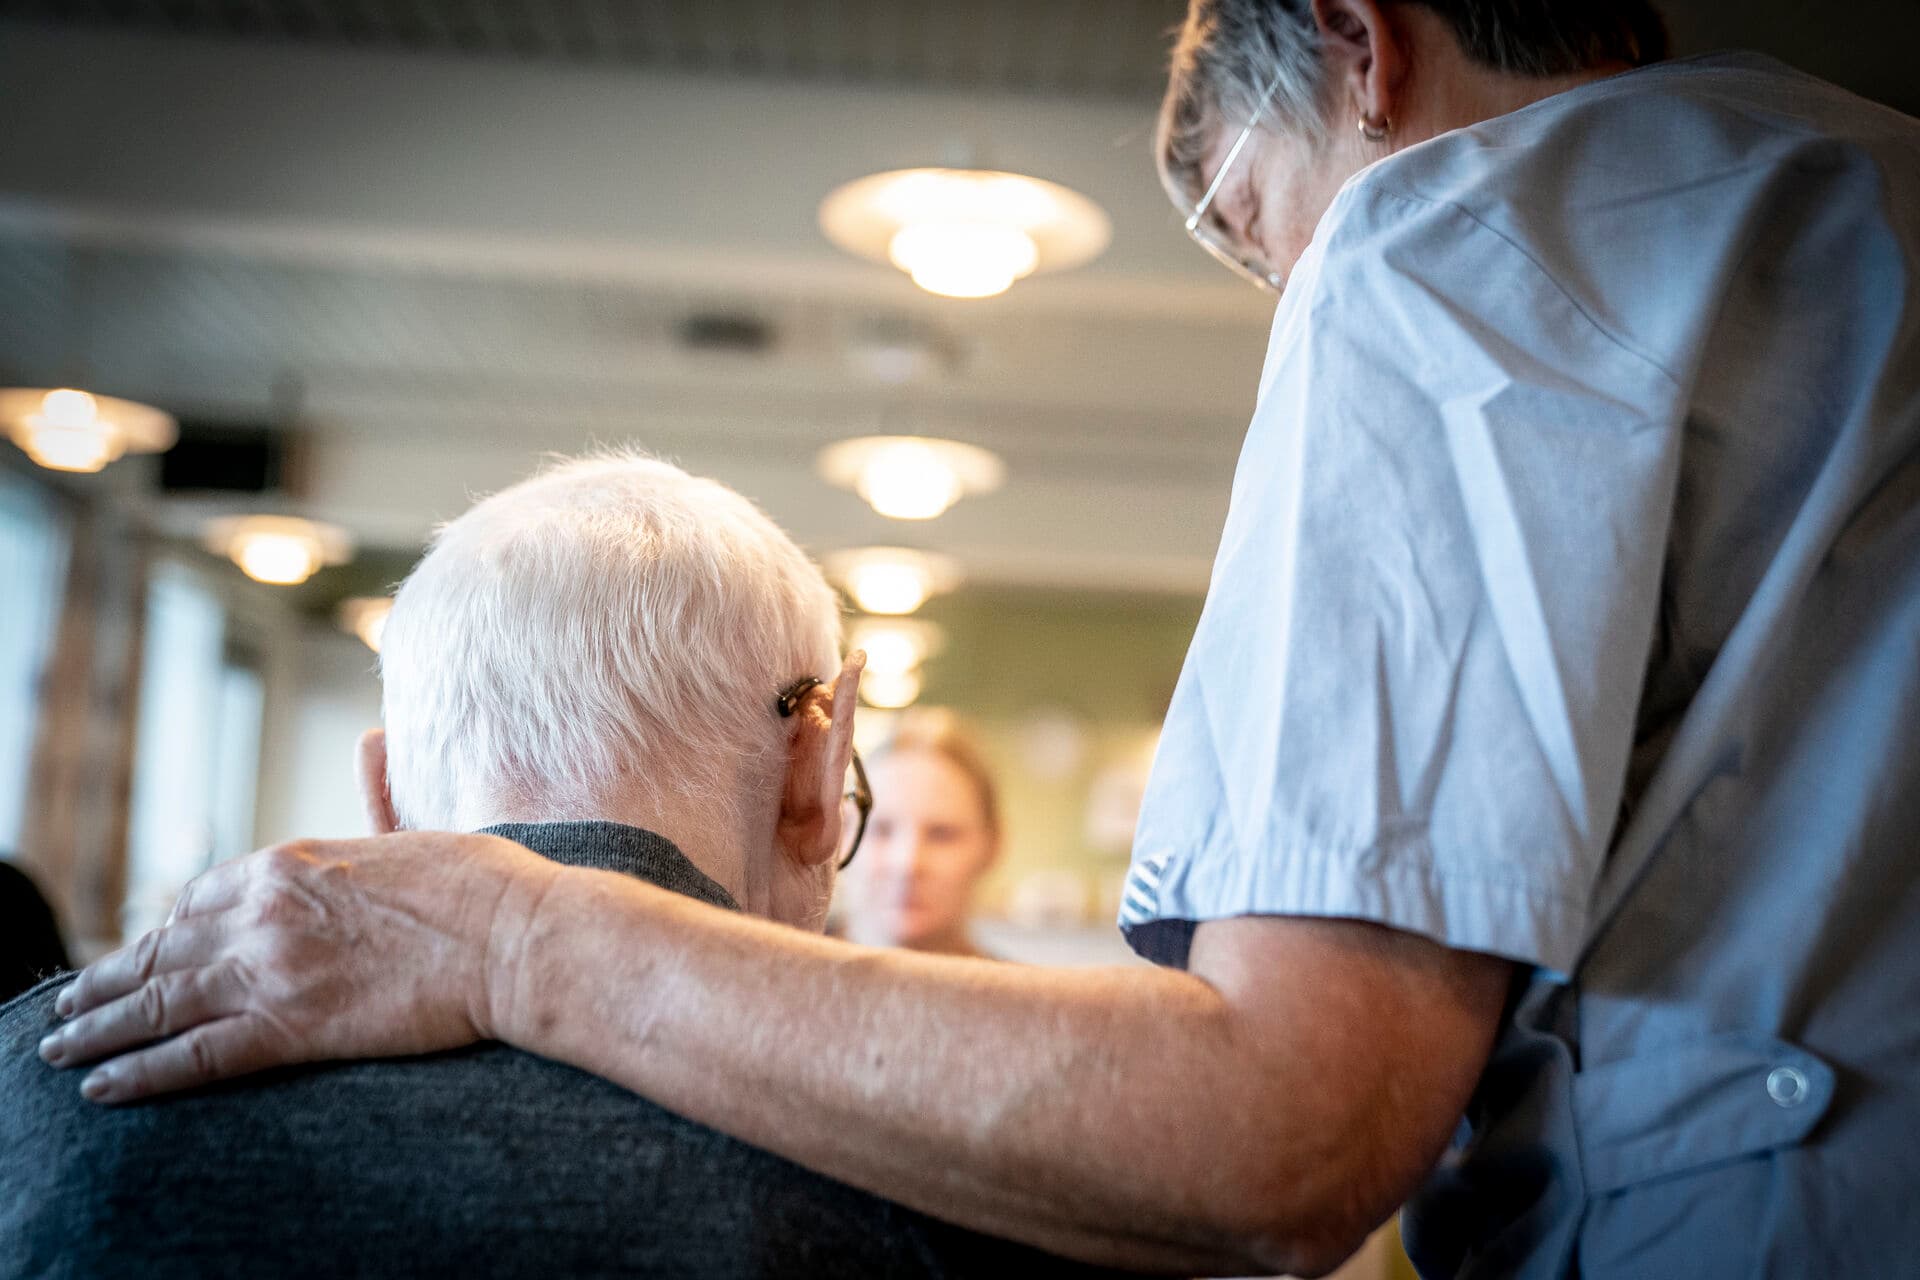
[41,1109]
[43,1119]
[17,1014]
[485,1159]
[23,1021]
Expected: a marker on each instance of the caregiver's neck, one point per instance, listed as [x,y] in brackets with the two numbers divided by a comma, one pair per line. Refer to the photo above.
[1445,89]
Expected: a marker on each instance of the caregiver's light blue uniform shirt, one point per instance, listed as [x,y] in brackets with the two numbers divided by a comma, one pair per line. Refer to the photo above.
[1569,610]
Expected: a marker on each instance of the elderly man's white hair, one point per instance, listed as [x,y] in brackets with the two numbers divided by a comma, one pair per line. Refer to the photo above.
[612,623]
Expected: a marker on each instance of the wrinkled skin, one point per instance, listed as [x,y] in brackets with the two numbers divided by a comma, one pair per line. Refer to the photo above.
[299,953]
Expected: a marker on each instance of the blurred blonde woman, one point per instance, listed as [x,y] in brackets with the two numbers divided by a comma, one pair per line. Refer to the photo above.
[933,833]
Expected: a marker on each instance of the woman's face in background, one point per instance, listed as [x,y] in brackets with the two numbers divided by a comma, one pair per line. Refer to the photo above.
[927,845]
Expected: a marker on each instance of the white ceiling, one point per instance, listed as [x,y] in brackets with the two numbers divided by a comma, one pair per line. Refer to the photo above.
[1074,47]
[443,237]
[441,267]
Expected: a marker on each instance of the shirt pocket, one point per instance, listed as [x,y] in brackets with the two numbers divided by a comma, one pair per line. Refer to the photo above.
[1681,1108]
[1675,1148]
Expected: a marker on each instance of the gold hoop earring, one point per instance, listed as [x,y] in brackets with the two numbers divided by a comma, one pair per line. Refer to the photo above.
[1375,130]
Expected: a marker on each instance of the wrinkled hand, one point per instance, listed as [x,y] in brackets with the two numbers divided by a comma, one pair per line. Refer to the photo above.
[313,950]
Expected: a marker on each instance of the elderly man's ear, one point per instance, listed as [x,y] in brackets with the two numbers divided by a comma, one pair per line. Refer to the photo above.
[819,752]
[375,798]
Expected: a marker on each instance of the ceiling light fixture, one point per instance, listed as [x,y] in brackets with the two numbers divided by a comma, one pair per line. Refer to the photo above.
[279,550]
[965,233]
[889,690]
[892,580]
[910,477]
[896,644]
[895,648]
[963,259]
[64,429]
[366,617]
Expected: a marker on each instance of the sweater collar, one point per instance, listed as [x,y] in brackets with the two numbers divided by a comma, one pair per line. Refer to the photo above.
[614,846]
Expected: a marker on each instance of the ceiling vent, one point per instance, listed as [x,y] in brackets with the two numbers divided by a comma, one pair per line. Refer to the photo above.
[717,333]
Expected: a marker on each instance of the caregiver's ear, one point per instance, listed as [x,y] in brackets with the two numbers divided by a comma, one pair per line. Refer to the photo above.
[375,796]
[1364,45]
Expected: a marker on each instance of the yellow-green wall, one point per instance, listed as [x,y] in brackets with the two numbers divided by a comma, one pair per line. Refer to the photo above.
[1019,663]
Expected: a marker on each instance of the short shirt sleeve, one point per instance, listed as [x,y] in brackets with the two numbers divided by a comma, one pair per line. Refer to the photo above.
[1412,694]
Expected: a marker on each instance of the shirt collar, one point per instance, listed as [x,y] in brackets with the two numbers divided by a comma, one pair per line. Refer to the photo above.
[614,846]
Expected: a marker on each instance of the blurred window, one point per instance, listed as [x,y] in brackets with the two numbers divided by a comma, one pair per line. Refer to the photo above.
[197,756]
[33,547]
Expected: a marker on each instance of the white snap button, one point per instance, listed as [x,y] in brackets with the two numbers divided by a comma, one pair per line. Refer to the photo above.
[1787,1086]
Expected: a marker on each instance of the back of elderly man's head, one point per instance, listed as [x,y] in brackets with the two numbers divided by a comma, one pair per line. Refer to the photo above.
[612,624]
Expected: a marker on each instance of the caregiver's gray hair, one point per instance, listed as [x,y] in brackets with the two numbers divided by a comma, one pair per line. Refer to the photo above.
[609,624]
[1229,51]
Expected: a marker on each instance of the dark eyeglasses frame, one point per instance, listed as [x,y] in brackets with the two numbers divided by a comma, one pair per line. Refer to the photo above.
[788,702]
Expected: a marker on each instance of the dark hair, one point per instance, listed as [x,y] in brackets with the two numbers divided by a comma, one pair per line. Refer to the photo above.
[1554,37]
[1229,51]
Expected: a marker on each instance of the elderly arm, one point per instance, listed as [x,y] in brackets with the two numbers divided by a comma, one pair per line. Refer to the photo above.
[1258,1113]
[1263,1111]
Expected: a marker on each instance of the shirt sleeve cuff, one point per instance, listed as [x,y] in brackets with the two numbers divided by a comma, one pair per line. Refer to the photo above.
[1167,895]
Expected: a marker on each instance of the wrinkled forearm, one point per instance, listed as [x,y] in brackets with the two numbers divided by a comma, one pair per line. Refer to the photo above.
[1115,1115]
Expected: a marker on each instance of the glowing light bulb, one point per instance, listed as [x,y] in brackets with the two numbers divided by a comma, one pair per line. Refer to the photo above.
[283,559]
[88,448]
[909,481]
[66,429]
[891,581]
[963,259]
[278,549]
[910,477]
[895,648]
[69,408]
[964,233]
[889,587]
[366,617]
[889,651]
[889,690]
[68,434]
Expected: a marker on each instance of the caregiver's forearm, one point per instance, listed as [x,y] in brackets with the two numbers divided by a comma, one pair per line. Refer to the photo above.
[1117,1115]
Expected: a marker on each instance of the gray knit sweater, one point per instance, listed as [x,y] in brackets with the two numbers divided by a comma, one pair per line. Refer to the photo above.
[481,1162]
